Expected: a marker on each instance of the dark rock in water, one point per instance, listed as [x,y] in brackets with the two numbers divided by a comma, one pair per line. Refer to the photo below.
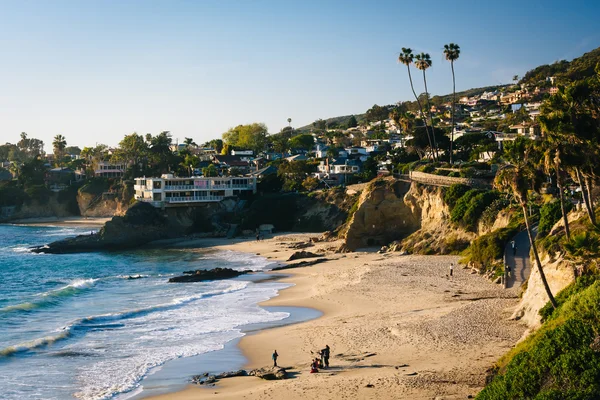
[302,254]
[269,373]
[301,264]
[208,275]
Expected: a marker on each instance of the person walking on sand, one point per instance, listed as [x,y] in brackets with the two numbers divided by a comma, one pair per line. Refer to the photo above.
[274,356]
[451,270]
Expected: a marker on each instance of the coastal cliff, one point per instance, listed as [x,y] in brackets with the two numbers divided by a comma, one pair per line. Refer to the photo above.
[404,216]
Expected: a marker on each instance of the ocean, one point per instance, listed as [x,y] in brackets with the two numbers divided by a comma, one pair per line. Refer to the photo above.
[96,325]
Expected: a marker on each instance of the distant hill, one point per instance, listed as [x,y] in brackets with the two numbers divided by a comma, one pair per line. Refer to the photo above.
[580,68]
[342,121]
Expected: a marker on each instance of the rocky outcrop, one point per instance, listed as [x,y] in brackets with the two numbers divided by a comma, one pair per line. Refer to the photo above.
[141,224]
[207,379]
[559,275]
[303,254]
[103,205]
[269,373]
[200,275]
[382,215]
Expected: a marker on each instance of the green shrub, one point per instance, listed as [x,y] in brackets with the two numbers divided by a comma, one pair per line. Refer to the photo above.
[427,168]
[559,361]
[38,193]
[486,250]
[550,214]
[471,206]
[477,206]
[462,204]
[453,193]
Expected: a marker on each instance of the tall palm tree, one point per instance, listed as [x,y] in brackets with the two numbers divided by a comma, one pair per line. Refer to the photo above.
[59,144]
[452,52]
[289,120]
[189,142]
[407,58]
[423,62]
[516,179]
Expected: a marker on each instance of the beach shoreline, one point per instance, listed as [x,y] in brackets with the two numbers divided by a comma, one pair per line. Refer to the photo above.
[73,222]
[397,325]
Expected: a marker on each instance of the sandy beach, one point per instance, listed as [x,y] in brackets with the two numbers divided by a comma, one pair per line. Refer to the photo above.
[398,327]
[65,222]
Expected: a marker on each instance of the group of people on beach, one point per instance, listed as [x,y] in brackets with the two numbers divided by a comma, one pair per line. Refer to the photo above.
[316,363]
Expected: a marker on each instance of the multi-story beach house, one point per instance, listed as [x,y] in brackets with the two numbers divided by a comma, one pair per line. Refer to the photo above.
[170,191]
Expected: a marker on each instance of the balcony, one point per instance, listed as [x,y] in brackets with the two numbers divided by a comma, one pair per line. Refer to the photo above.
[190,199]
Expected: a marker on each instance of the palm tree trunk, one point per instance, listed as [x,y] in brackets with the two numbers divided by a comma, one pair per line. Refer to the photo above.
[589,185]
[430,116]
[420,109]
[589,210]
[562,203]
[453,107]
[537,257]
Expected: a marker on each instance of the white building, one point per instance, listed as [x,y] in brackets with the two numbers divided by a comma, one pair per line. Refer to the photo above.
[170,191]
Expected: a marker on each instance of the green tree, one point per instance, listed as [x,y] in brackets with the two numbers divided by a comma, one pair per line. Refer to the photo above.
[59,144]
[210,171]
[74,150]
[351,122]
[407,58]
[29,147]
[133,150]
[452,52]
[189,142]
[252,137]
[377,113]
[320,124]
[294,173]
[302,142]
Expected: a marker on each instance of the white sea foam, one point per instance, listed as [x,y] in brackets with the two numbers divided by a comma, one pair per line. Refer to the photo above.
[198,327]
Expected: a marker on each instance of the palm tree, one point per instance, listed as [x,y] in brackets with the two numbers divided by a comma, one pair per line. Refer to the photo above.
[189,142]
[516,179]
[423,61]
[289,120]
[59,144]
[452,52]
[406,58]
[567,118]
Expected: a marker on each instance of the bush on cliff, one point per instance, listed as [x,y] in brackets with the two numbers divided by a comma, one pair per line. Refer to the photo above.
[471,206]
[559,361]
[550,213]
[454,193]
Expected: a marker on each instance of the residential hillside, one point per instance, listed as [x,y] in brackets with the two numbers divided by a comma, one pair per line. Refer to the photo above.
[564,71]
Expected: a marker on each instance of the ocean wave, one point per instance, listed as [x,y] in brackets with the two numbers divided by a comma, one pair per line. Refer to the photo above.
[49,298]
[106,321]
[94,321]
[34,344]
[20,249]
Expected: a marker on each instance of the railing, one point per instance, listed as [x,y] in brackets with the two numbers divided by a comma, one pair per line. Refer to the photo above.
[191,199]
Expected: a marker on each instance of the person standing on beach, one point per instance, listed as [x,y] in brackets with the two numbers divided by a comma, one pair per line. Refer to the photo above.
[325,355]
[451,270]
[274,356]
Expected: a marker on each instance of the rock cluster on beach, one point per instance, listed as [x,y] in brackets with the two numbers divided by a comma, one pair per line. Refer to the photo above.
[266,373]
[200,275]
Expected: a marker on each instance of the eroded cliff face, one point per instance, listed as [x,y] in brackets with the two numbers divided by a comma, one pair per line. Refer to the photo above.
[382,215]
[559,274]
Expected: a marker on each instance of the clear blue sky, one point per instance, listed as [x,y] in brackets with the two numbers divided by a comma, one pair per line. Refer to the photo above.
[97,70]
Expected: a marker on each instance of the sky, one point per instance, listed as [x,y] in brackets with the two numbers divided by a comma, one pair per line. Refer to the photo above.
[95,71]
